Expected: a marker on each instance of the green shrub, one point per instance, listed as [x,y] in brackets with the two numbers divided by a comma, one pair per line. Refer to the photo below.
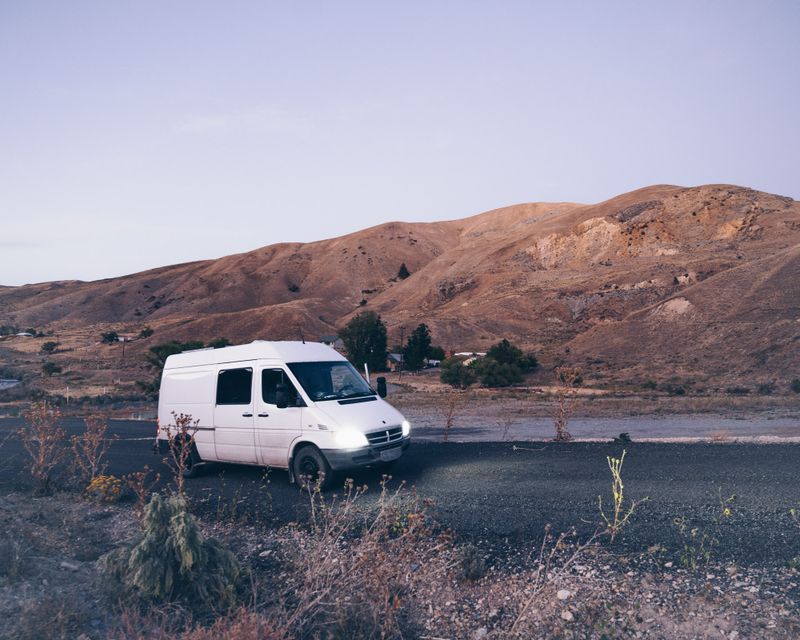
[492,373]
[737,391]
[110,337]
[50,346]
[454,373]
[472,563]
[506,353]
[172,560]
[146,332]
[50,368]
[766,389]
[794,385]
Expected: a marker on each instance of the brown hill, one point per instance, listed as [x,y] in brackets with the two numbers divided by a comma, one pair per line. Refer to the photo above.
[695,282]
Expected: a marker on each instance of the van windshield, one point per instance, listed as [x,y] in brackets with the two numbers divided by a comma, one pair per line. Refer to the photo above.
[330,380]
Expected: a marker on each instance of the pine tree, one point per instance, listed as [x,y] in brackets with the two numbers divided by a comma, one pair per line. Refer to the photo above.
[416,349]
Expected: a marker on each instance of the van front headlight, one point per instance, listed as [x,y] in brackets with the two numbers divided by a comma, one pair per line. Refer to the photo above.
[406,428]
[351,439]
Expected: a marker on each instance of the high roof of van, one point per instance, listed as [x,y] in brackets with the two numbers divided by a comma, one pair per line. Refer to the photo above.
[257,350]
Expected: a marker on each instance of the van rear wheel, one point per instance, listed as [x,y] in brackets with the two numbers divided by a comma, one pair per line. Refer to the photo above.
[193,460]
[310,468]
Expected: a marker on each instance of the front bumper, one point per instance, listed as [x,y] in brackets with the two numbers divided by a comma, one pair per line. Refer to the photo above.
[340,459]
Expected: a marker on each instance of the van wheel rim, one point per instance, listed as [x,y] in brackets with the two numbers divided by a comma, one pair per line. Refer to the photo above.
[309,467]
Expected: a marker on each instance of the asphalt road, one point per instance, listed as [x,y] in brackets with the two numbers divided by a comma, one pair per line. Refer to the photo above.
[499,496]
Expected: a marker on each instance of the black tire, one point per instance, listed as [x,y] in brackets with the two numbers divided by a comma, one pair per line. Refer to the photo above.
[309,467]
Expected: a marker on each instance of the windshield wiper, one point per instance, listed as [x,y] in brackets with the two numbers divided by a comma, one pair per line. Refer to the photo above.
[357,394]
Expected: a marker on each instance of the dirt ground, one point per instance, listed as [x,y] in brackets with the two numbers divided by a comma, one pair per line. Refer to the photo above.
[51,587]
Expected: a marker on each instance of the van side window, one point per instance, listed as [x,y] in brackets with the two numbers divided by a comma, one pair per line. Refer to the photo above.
[270,379]
[234,386]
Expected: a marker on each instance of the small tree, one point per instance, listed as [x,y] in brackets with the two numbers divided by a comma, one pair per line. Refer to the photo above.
[50,347]
[506,353]
[172,560]
[795,385]
[436,353]
[416,349]
[110,337]
[454,373]
[218,343]
[403,272]
[146,332]
[566,380]
[50,368]
[45,441]
[365,340]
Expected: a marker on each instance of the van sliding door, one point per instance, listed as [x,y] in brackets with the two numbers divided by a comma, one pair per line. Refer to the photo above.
[234,437]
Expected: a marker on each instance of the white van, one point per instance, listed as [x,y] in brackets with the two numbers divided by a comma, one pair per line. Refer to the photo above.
[299,406]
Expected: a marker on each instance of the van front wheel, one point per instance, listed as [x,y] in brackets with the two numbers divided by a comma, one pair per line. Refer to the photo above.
[310,468]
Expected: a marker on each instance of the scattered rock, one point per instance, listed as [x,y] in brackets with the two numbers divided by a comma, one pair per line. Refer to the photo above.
[563,594]
[68,566]
[566,614]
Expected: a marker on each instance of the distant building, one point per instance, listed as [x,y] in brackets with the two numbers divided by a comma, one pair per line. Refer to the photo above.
[25,334]
[470,356]
[395,361]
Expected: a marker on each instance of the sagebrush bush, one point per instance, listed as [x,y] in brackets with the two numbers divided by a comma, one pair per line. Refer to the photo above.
[172,560]
[349,576]
[105,489]
[472,563]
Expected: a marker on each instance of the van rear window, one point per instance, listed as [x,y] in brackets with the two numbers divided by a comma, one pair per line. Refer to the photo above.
[235,386]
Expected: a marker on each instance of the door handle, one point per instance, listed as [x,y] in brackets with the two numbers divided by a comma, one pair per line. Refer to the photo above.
[263,415]
[247,415]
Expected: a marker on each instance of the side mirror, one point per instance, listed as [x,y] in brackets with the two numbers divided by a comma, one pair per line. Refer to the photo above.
[382,387]
[281,396]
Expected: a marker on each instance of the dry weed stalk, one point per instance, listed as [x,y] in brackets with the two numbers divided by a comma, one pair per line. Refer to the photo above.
[353,570]
[449,414]
[180,437]
[505,425]
[142,486]
[90,448]
[556,555]
[45,442]
[566,379]
[619,517]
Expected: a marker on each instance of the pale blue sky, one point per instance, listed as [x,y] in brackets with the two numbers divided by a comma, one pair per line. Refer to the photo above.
[139,134]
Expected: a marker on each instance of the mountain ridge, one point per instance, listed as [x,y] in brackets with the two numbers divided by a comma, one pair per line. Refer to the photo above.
[575,282]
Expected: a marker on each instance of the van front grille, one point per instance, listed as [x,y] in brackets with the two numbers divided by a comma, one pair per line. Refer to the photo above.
[386,436]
